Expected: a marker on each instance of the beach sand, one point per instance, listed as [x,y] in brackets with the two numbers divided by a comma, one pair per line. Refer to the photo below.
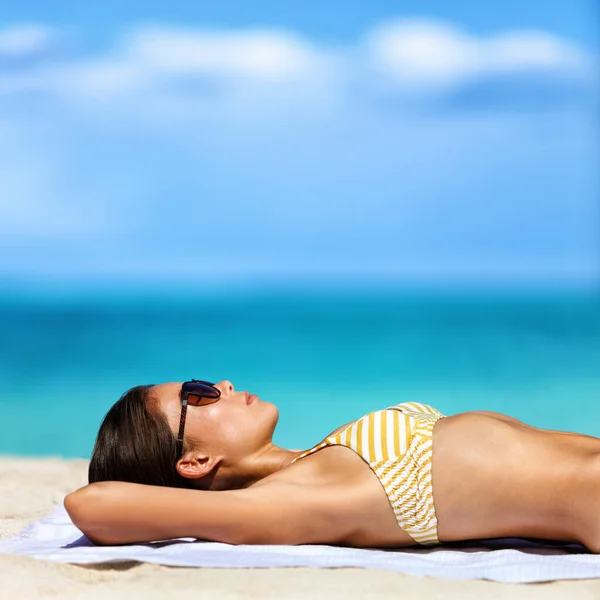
[31,487]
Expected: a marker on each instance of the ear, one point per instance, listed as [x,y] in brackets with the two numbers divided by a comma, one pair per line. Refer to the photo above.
[196,465]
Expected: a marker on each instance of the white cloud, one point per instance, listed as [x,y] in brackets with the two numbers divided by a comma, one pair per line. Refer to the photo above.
[280,67]
[259,54]
[420,51]
[25,40]
[27,53]
[529,50]
[432,55]
[150,64]
[98,79]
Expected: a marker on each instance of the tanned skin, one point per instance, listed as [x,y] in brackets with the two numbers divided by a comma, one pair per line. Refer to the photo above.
[493,476]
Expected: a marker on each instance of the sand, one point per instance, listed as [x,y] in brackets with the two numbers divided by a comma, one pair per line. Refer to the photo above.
[31,487]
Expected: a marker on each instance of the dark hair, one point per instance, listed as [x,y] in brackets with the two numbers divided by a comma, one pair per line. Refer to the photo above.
[136,444]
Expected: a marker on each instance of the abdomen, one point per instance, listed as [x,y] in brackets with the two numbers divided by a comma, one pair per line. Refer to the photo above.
[494,476]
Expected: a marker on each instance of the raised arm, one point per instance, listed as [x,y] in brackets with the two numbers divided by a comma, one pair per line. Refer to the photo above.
[114,512]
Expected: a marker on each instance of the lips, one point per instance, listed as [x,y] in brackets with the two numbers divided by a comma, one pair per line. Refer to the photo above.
[249,398]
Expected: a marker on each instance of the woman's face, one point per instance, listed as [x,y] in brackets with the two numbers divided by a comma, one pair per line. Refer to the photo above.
[236,427]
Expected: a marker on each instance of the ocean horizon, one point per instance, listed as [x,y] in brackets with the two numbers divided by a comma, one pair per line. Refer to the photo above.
[324,356]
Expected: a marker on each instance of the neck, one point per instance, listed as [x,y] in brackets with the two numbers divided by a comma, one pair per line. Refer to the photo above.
[269,460]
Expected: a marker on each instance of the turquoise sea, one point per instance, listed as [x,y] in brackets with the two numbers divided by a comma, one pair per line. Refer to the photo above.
[324,357]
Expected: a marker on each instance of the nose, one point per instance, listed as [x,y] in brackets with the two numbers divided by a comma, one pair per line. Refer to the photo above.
[225,387]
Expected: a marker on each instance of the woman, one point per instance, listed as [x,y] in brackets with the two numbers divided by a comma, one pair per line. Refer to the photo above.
[396,477]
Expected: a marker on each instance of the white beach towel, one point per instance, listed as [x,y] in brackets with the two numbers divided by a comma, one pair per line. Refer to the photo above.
[509,560]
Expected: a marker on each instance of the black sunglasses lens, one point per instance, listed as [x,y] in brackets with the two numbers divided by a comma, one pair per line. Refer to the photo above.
[200,390]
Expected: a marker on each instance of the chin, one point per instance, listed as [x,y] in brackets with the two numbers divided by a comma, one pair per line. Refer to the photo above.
[273,413]
[273,410]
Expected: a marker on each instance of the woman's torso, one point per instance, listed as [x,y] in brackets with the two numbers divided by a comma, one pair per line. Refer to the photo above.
[396,444]
[492,476]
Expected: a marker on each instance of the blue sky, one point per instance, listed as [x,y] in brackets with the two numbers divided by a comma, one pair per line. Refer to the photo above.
[244,140]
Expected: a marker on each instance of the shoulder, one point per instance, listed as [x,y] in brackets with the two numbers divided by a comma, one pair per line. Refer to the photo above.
[331,497]
[319,499]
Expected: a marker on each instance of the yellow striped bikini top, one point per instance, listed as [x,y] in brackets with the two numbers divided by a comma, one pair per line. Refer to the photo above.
[396,443]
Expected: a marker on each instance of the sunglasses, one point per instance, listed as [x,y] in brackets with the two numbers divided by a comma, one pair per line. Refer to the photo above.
[196,393]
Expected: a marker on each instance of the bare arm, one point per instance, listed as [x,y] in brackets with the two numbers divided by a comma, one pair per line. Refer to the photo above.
[114,512]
